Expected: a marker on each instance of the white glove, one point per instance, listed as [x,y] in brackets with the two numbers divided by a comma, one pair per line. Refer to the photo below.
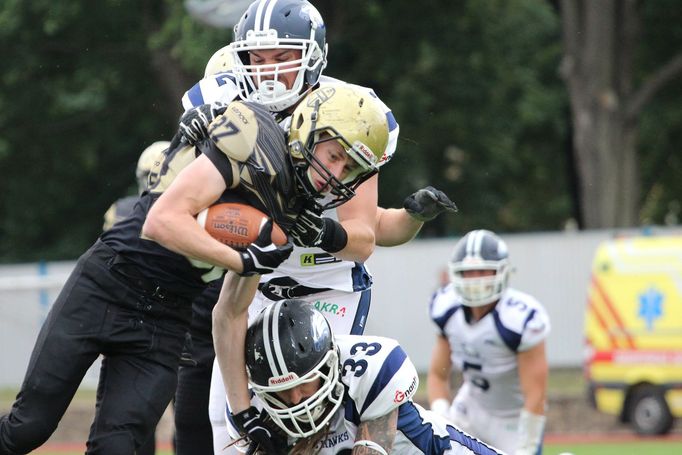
[441,406]
[531,428]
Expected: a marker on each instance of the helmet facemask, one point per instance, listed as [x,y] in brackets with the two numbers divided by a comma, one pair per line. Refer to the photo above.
[312,414]
[262,83]
[479,290]
[335,191]
[480,250]
[355,122]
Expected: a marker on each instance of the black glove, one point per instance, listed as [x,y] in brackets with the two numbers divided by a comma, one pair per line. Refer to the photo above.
[314,230]
[194,123]
[428,203]
[263,256]
[263,438]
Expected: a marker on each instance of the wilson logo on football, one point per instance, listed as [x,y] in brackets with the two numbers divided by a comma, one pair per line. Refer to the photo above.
[232,228]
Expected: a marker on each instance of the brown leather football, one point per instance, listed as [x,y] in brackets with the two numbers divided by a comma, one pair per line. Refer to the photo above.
[237,225]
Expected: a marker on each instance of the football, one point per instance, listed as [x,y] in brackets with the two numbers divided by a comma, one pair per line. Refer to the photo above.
[237,225]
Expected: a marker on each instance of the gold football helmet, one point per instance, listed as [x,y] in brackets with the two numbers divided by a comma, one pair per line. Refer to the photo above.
[219,62]
[353,117]
[149,159]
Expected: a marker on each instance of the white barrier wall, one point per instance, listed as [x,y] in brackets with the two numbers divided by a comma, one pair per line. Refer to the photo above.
[26,293]
[554,267]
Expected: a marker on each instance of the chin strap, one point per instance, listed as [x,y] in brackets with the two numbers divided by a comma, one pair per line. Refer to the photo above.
[531,428]
[370,445]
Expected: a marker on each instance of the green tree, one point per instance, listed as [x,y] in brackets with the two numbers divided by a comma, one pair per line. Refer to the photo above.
[84,88]
[611,80]
[474,84]
[481,109]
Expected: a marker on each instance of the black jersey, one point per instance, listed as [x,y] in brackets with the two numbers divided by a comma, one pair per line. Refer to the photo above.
[249,149]
[118,211]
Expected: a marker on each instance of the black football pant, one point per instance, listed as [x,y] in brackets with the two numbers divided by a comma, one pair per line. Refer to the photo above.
[140,339]
[193,432]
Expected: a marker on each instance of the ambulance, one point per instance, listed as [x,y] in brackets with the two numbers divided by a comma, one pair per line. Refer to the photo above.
[633,332]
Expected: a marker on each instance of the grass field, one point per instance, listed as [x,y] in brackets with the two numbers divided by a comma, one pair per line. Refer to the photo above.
[613,448]
[566,382]
[610,448]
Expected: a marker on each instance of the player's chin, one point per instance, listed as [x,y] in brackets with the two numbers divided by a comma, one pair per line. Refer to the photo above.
[323,188]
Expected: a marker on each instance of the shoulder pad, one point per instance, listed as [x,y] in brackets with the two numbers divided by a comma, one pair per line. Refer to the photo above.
[219,87]
[235,131]
[377,373]
[521,320]
[444,303]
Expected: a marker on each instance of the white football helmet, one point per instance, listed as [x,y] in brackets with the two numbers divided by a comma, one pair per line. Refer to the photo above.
[279,24]
[479,250]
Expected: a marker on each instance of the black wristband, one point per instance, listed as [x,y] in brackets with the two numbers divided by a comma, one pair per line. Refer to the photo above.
[334,236]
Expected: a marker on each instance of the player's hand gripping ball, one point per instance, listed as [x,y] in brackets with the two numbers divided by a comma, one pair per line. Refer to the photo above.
[237,225]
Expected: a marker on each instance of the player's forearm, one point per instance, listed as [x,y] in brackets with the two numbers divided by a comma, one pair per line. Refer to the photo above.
[533,373]
[228,341]
[438,377]
[376,435]
[182,234]
[395,227]
[230,318]
[360,245]
[437,387]
[534,401]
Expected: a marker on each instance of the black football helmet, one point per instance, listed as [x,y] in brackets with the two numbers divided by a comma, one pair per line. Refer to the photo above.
[291,343]
[279,24]
[480,250]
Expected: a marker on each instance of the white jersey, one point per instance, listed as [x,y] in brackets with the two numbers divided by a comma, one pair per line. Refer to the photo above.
[378,378]
[312,267]
[485,351]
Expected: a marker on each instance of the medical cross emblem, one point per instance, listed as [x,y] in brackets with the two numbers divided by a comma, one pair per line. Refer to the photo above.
[650,307]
